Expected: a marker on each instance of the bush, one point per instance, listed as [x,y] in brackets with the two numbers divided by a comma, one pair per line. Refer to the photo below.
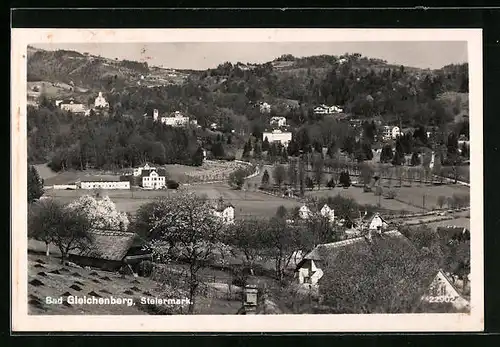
[240,277]
[330,183]
[391,194]
[378,191]
[171,184]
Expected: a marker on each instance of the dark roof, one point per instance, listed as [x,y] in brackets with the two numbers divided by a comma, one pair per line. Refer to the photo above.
[160,172]
[108,245]
[321,252]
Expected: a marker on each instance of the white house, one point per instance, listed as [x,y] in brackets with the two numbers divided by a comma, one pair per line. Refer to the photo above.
[155,114]
[265,107]
[225,213]
[324,109]
[138,171]
[377,223]
[278,136]
[443,290]
[327,212]
[153,178]
[72,106]
[278,121]
[100,101]
[91,184]
[177,119]
[390,132]
[304,212]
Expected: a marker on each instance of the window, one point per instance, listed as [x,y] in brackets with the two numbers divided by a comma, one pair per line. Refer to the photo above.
[307,280]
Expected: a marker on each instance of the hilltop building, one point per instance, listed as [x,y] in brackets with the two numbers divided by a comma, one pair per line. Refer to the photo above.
[71,106]
[265,107]
[100,102]
[283,137]
[176,119]
[325,110]
[278,121]
[390,132]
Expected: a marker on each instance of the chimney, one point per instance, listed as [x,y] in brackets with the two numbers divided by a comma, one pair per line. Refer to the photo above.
[250,299]
[155,114]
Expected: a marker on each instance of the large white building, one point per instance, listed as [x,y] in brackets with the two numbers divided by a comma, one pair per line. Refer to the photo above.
[100,102]
[177,119]
[71,106]
[278,121]
[104,184]
[153,178]
[278,136]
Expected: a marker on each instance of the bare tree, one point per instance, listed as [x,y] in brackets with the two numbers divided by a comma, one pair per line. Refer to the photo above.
[68,229]
[184,227]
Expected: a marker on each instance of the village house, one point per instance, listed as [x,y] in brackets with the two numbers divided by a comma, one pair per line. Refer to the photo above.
[110,250]
[176,119]
[279,136]
[153,178]
[304,212]
[431,284]
[72,106]
[278,121]
[265,107]
[225,212]
[377,223]
[390,132]
[443,290]
[327,110]
[100,101]
[328,213]
[108,183]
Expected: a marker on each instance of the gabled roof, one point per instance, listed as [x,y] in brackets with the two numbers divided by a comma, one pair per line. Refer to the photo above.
[108,245]
[147,173]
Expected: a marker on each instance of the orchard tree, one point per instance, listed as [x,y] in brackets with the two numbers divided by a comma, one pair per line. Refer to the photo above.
[386,154]
[102,213]
[67,228]
[279,174]
[237,178]
[248,236]
[265,179]
[184,227]
[35,184]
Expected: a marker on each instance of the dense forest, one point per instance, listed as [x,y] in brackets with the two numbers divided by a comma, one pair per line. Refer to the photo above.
[228,96]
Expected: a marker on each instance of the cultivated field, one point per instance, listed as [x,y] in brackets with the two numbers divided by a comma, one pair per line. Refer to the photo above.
[410,199]
[209,171]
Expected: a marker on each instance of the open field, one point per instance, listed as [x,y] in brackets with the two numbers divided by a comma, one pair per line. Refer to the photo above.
[363,198]
[460,222]
[247,203]
[47,277]
[209,171]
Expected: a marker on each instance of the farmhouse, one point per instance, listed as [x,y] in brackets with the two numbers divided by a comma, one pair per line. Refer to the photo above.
[120,183]
[100,102]
[153,178]
[225,212]
[110,250]
[72,106]
[278,121]
[311,268]
[176,119]
[304,212]
[328,212]
[442,290]
[278,136]
[138,171]
[377,223]
[453,233]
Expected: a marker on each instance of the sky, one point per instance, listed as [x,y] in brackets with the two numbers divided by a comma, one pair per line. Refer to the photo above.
[203,55]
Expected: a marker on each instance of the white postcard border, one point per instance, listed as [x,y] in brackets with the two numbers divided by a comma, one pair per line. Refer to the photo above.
[21,321]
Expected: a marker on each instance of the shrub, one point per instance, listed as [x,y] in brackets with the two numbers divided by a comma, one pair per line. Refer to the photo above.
[391,194]
[171,184]
[330,183]
[378,191]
